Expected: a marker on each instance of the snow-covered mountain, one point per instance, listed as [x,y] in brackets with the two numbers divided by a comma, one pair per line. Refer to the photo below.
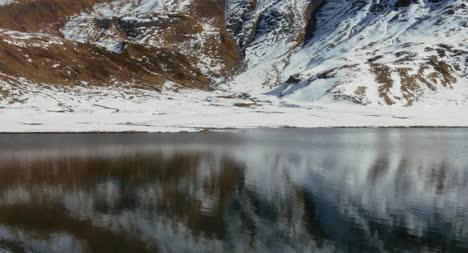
[254,53]
[366,52]
[386,52]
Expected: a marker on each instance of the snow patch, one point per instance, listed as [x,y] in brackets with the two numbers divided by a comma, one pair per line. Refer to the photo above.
[6,2]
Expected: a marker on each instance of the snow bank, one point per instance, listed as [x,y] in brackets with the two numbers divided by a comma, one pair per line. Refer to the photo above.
[117,109]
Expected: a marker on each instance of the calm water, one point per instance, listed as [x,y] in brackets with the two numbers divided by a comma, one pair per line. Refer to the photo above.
[289,190]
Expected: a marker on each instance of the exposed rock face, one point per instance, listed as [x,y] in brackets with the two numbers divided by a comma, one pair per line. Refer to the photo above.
[249,20]
[268,32]
[311,15]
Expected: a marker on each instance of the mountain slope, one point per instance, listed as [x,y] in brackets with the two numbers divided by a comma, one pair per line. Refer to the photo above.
[260,56]
[142,43]
[371,52]
[195,29]
[267,32]
[44,59]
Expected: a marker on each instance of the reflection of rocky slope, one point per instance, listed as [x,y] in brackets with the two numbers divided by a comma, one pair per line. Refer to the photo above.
[209,197]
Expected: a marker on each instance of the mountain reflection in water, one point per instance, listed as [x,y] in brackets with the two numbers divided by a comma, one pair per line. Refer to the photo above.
[289,190]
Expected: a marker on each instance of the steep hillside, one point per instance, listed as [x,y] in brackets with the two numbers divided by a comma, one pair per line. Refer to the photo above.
[143,43]
[367,52]
[267,32]
[195,29]
[44,59]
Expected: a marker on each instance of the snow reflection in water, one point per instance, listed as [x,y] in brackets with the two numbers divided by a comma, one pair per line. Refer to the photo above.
[290,190]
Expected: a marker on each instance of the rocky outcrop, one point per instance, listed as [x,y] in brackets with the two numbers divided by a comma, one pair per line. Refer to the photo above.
[311,15]
[251,20]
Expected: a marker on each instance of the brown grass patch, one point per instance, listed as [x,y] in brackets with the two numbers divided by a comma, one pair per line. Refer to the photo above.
[383,76]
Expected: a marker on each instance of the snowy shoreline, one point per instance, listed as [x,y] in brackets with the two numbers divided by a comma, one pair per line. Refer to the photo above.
[201,111]
[118,109]
[221,130]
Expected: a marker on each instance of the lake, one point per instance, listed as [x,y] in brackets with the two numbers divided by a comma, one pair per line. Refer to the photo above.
[264,190]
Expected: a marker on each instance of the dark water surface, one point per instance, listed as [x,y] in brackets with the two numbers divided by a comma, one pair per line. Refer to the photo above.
[288,190]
